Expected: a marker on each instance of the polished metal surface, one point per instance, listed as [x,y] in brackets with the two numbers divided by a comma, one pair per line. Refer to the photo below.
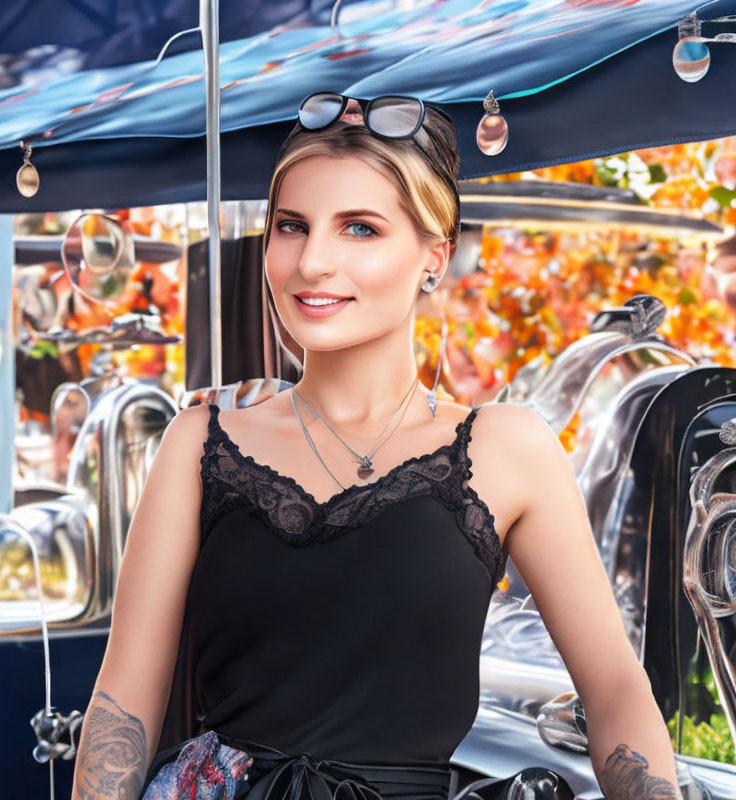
[81,533]
[37,248]
[98,257]
[709,570]
[640,316]
[604,480]
[64,542]
[556,204]
[108,467]
[502,743]
[209,23]
[560,392]
[561,723]
[525,381]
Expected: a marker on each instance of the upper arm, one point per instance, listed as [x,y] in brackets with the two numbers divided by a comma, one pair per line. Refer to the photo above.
[160,552]
[552,545]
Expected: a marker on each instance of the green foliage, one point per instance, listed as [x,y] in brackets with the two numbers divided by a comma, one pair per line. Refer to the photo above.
[42,348]
[687,296]
[711,739]
[606,175]
[629,171]
[723,196]
[657,173]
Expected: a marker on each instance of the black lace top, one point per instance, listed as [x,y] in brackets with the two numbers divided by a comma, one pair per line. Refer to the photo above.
[362,646]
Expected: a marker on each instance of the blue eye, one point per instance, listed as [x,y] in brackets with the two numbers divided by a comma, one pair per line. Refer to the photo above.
[293,226]
[365,227]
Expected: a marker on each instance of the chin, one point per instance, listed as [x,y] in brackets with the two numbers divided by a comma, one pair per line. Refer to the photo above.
[334,339]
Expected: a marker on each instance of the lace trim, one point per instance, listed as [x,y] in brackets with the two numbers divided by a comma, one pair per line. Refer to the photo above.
[232,480]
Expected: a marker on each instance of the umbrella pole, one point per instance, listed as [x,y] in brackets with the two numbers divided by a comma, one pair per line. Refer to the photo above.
[210,24]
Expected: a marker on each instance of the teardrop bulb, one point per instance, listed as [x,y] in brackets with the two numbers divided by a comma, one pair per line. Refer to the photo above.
[492,134]
[691,59]
[27,180]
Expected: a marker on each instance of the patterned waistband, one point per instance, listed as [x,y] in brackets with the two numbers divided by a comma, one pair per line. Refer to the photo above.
[213,766]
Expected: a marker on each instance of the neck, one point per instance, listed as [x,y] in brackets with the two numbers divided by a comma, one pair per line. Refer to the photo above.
[361,386]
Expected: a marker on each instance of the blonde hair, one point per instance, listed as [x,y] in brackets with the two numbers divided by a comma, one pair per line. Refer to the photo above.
[427,185]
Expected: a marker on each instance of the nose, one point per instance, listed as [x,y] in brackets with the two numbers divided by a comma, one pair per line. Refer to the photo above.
[316,255]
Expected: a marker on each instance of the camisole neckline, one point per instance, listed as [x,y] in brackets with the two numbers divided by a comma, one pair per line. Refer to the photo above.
[342,494]
[232,480]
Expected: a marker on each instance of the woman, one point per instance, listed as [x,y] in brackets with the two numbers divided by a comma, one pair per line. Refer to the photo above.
[328,555]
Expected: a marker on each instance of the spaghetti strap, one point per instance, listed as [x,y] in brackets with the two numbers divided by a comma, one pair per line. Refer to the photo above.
[214,422]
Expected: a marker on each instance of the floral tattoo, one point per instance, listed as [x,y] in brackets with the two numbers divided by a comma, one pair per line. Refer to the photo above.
[113,753]
[625,777]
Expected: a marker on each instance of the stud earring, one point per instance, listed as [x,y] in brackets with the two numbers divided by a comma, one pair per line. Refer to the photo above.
[431,283]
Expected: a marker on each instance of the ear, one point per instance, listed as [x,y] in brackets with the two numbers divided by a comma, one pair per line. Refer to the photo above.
[440,254]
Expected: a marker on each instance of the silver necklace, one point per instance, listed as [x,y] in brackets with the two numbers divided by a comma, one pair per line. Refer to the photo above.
[366,465]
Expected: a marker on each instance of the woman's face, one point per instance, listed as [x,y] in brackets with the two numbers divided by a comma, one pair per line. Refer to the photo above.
[338,228]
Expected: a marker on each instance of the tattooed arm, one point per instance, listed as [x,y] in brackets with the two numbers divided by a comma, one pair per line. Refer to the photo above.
[111,759]
[541,518]
[629,744]
[122,724]
[626,774]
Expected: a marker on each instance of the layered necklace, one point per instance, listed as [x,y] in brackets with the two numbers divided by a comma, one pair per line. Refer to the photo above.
[365,468]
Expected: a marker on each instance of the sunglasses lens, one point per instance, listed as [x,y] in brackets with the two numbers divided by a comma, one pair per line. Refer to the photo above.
[394,116]
[320,109]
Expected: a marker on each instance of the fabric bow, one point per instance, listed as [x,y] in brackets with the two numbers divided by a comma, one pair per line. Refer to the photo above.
[323,779]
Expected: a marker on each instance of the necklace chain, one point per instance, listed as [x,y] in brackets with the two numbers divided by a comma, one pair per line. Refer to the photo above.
[366,465]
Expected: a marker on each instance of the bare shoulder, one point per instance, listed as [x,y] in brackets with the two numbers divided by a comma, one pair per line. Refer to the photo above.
[184,437]
[189,422]
[509,448]
[521,430]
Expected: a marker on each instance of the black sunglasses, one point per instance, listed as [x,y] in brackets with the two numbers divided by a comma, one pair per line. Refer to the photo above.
[389,116]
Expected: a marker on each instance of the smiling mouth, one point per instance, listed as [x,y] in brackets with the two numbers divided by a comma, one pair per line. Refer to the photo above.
[322,301]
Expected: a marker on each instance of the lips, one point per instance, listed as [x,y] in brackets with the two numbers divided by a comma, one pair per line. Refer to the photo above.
[328,309]
[323,295]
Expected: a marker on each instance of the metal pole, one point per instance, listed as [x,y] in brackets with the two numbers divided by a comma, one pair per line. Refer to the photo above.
[210,24]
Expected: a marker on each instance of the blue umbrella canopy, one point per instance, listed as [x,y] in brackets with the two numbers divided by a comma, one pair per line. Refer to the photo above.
[113,126]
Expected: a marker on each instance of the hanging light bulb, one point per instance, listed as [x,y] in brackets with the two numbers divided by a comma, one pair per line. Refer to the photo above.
[691,59]
[26,179]
[492,132]
[691,56]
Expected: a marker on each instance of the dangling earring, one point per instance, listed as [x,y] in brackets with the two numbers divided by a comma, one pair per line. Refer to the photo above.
[433,280]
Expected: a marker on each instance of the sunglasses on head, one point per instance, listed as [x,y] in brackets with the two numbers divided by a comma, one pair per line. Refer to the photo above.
[389,116]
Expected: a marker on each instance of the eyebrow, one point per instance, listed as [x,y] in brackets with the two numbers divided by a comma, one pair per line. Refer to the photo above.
[352,212]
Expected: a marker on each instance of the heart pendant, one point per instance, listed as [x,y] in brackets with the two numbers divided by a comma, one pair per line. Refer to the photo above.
[364,472]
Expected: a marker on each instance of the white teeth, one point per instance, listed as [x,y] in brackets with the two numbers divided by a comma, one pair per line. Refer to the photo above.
[320,301]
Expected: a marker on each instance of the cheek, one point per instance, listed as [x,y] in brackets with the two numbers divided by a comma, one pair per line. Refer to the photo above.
[385,272]
[277,265]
